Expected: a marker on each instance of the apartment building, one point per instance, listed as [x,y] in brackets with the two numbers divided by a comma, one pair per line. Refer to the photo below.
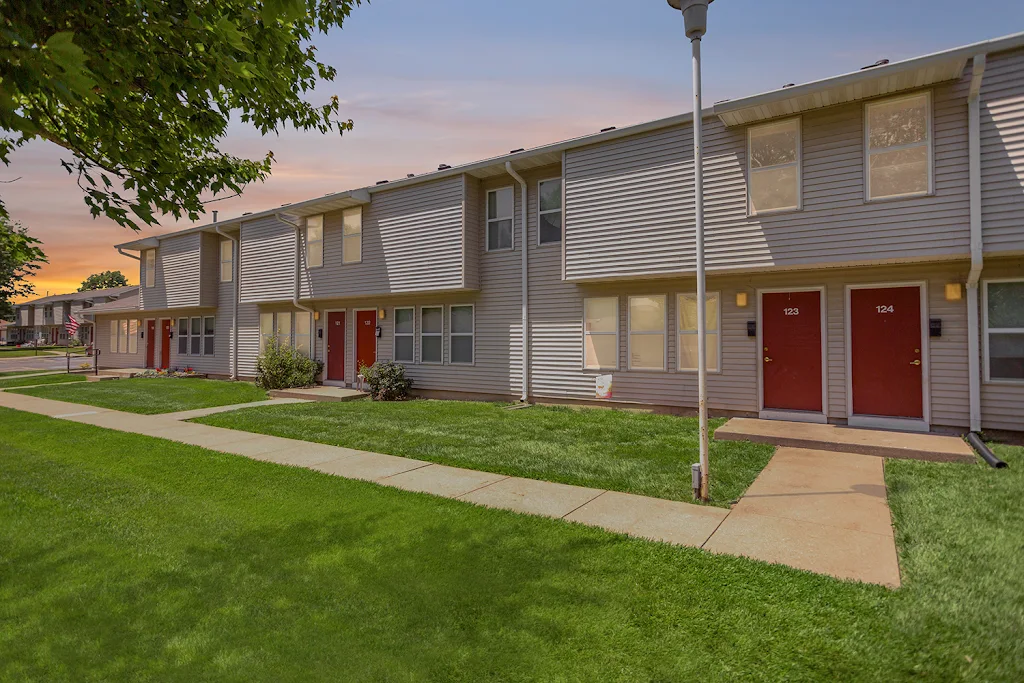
[44,319]
[864,245]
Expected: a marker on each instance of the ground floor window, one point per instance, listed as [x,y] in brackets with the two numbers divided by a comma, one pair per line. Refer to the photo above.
[461,325]
[1004,330]
[647,327]
[431,334]
[289,329]
[404,334]
[124,336]
[687,315]
[196,336]
[601,333]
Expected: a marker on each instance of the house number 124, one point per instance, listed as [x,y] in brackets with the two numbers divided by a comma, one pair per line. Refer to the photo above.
[884,309]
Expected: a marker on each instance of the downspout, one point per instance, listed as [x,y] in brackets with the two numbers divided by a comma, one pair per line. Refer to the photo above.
[977,244]
[237,246]
[298,252]
[525,293]
[123,253]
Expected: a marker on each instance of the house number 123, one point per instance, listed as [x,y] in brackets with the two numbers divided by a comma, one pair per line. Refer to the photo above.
[791,311]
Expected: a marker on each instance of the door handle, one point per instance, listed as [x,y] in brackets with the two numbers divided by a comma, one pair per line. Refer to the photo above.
[767,359]
[915,362]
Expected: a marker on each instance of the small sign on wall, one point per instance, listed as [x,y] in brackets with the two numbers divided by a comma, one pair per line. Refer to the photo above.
[603,386]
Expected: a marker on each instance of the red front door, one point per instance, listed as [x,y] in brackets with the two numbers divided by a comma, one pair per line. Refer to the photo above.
[366,338]
[336,345]
[791,350]
[885,351]
[53,336]
[165,343]
[150,343]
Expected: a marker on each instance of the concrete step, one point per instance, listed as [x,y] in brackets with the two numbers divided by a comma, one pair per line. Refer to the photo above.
[827,437]
[320,394]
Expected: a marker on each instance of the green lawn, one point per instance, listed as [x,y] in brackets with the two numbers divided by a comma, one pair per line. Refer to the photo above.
[151,396]
[7,382]
[127,558]
[611,449]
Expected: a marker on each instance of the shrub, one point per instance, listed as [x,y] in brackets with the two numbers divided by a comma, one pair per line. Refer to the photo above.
[282,367]
[387,381]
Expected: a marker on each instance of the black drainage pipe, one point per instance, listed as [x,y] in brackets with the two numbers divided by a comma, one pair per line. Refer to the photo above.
[986,454]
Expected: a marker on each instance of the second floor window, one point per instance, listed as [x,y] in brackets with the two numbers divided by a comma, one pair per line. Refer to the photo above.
[899,149]
[774,175]
[550,217]
[227,261]
[500,210]
[314,241]
[352,235]
[151,268]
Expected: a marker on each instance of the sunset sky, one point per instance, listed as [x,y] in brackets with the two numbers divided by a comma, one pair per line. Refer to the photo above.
[452,81]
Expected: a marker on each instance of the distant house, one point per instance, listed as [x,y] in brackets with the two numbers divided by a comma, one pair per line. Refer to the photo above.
[864,246]
[44,319]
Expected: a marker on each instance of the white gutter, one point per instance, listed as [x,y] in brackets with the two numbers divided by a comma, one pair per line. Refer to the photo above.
[122,253]
[237,246]
[525,293]
[298,252]
[977,244]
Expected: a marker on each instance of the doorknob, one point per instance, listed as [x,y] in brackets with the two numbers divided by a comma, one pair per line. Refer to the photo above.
[767,359]
[915,362]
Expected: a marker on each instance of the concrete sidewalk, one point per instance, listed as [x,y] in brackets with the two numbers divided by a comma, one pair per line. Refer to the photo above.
[787,516]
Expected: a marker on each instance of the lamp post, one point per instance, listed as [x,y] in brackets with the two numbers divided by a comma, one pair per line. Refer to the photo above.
[695,18]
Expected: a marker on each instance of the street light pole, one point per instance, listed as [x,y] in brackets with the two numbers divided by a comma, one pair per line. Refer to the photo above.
[695,16]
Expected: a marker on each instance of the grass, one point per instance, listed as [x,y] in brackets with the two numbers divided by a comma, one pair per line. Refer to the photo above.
[610,449]
[130,558]
[152,396]
[9,382]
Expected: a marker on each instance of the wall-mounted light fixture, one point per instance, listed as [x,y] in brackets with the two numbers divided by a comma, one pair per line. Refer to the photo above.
[954,291]
[741,299]
[316,315]
[380,313]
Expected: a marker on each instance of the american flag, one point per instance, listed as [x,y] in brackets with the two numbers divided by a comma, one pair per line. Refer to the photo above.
[72,325]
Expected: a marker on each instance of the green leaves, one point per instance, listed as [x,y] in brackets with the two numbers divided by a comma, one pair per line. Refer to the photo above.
[20,257]
[140,93]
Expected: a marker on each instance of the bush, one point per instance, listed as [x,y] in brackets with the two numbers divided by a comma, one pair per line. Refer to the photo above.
[387,381]
[282,367]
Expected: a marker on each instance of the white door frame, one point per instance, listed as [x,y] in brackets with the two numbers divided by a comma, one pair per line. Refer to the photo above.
[795,415]
[355,336]
[877,421]
[344,361]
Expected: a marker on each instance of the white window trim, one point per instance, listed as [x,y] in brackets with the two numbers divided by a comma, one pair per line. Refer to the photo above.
[986,332]
[345,238]
[212,335]
[310,242]
[630,333]
[799,164]
[177,330]
[230,260]
[472,335]
[396,334]
[488,220]
[679,333]
[560,210]
[929,145]
[312,334]
[150,268]
[618,340]
[440,335]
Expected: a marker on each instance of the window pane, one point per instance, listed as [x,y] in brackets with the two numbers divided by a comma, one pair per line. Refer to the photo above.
[302,324]
[499,235]
[462,319]
[197,326]
[462,349]
[403,349]
[773,188]
[499,203]
[284,329]
[430,349]
[122,341]
[647,314]
[182,327]
[1006,356]
[404,320]
[314,254]
[208,346]
[225,250]
[600,351]
[647,351]
[774,144]
[1006,304]
[901,122]
[314,229]
[352,221]
[687,311]
[196,342]
[904,171]
[601,315]
[209,325]
[266,324]
[225,271]
[133,336]
[551,195]
[550,227]
[113,336]
[431,320]
[352,248]
[711,313]
[302,344]
[182,345]
[688,351]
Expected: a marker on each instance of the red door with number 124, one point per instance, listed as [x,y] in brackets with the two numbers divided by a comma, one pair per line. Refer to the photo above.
[885,351]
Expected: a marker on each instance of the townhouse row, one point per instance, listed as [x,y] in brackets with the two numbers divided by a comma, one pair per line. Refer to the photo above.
[45,320]
[864,241]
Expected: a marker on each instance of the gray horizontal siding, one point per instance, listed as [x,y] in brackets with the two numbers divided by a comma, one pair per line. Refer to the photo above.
[629,202]
[177,274]
[209,259]
[1002,153]
[267,260]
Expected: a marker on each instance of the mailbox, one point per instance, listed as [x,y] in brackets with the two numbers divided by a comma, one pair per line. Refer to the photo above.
[751,328]
[377,331]
[935,327]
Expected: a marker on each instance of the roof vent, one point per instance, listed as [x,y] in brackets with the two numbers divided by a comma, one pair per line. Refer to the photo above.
[720,101]
[513,151]
[443,167]
[247,213]
[410,175]
[286,204]
[880,62]
[789,85]
[381,182]
[605,130]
